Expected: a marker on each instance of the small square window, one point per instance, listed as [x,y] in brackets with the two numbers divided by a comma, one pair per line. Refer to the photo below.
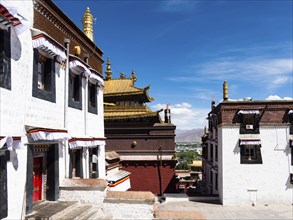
[250,154]
[249,123]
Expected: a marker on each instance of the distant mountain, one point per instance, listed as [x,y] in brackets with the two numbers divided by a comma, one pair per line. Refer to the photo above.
[193,135]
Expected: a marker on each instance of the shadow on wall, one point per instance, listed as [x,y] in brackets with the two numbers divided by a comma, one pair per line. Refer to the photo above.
[288,184]
[16,52]
[14,159]
[237,148]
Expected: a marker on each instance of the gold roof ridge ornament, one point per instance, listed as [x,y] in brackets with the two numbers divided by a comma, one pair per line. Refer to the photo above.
[133,76]
[108,71]
[122,75]
[87,21]
[225,91]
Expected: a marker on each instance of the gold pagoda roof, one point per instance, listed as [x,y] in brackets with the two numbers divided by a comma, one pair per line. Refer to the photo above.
[117,112]
[125,87]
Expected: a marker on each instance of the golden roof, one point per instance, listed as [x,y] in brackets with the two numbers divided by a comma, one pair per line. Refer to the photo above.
[117,112]
[124,87]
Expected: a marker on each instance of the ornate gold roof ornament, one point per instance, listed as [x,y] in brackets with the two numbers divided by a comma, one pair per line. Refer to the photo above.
[225,91]
[133,76]
[108,71]
[122,76]
[87,22]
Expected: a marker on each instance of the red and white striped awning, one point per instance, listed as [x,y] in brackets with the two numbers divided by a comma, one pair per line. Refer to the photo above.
[250,142]
[76,143]
[10,18]
[12,143]
[48,134]
[79,68]
[45,43]
[247,112]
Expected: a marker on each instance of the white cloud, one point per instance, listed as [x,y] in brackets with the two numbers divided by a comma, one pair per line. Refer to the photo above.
[177,5]
[275,97]
[185,116]
[271,72]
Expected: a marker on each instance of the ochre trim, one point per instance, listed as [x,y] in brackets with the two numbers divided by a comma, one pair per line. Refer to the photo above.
[46,130]
[118,182]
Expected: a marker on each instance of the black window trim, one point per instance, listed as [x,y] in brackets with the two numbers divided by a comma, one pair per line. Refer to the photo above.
[257,148]
[243,127]
[5,59]
[40,93]
[290,120]
[71,102]
[92,109]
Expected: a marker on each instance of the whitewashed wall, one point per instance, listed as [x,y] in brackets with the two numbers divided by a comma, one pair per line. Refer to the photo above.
[42,113]
[12,105]
[18,108]
[266,183]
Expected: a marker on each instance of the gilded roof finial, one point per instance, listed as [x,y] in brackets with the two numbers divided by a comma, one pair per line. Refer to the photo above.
[87,22]
[225,90]
[133,76]
[122,76]
[108,71]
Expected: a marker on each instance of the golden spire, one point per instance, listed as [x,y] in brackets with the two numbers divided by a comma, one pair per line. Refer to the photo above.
[108,71]
[225,90]
[87,22]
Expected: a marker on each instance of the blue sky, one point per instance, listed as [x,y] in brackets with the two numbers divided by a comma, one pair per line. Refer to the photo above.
[186,49]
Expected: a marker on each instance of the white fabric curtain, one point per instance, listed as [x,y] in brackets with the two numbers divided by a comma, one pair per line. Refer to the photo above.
[248,112]
[20,24]
[250,142]
[44,135]
[43,44]
[85,143]
[10,143]
[94,78]
[78,68]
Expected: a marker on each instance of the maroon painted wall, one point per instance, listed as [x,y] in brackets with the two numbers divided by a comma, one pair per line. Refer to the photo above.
[145,176]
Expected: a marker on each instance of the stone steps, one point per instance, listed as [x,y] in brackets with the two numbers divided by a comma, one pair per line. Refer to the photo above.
[68,210]
[50,210]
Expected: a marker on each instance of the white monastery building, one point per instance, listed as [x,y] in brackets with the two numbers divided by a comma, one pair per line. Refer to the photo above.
[51,104]
[247,151]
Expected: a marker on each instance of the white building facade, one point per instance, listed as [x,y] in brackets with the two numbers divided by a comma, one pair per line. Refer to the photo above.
[51,105]
[248,158]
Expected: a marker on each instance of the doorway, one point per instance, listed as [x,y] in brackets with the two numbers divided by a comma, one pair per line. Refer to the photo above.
[37,179]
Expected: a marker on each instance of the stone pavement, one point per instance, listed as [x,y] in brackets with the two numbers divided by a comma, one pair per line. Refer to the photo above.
[201,210]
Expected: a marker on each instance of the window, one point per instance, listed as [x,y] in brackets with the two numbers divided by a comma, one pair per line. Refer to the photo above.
[291,146]
[249,122]
[44,77]
[5,59]
[250,152]
[75,91]
[44,74]
[92,98]
[290,117]
[216,152]
[216,179]
[211,152]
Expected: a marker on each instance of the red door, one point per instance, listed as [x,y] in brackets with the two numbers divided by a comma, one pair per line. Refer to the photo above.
[37,176]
